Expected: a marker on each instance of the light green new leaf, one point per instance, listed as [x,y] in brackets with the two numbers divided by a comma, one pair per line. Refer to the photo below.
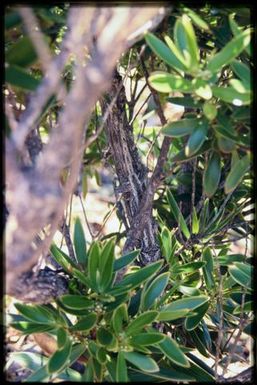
[164,82]
[230,51]
[230,95]
[197,20]
[171,350]
[143,362]
[195,222]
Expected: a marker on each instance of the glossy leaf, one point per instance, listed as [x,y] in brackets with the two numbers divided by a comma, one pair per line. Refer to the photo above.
[141,321]
[248,307]
[60,359]
[80,243]
[178,215]
[121,368]
[120,315]
[62,338]
[30,327]
[180,128]
[192,46]
[196,139]
[35,313]
[166,315]
[164,53]
[197,20]
[125,260]
[230,95]
[76,302]
[85,323]
[171,350]
[237,173]
[241,273]
[166,243]
[186,303]
[106,266]
[146,339]
[93,266]
[202,89]
[186,101]
[104,336]
[144,363]
[208,268]
[188,267]
[230,51]
[165,82]
[140,276]
[212,174]
[62,259]
[242,71]
[193,321]
[154,291]
[210,110]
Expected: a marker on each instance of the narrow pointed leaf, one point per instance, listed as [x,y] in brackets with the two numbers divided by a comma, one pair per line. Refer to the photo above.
[121,368]
[237,173]
[180,128]
[154,291]
[140,276]
[230,51]
[141,321]
[76,302]
[196,139]
[178,215]
[60,359]
[125,260]
[80,243]
[164,82]
[146,339]
[211,177]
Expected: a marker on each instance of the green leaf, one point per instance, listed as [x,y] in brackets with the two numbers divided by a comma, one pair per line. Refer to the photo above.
[248,307]
[171,350]
[121,368]
[197,20]
[140,276]
[144,363]
[208,268]
[187,303]
[160,49]
[146,339]
[101,356]
[60,359]
[243,71]
[237,173]
[189,290]
[94,266]
[210,110]
[176,53]
[62,337]
[141,321]
[154,291]
[35,313]
[30,327]
[196,139]
[178,215]
[166,243]
[76,302]
[180,128]
[192,322]
[181,156]
[164,82]
[80,243]
[166,374]
[236,30]
[186,101]
[192,46]
[226,260]
[22,53]
[125,260]
[188,267]
[104,336]
[230,51]
[106,266]
[211,176]
[12,19]
[241,273]
[195,222]
[62,259]
[230,95]
[120,315]
[166,315]
[85,323]
[18,77]
[202,88]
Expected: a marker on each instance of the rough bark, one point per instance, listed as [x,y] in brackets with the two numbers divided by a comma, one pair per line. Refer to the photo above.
[131,172]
